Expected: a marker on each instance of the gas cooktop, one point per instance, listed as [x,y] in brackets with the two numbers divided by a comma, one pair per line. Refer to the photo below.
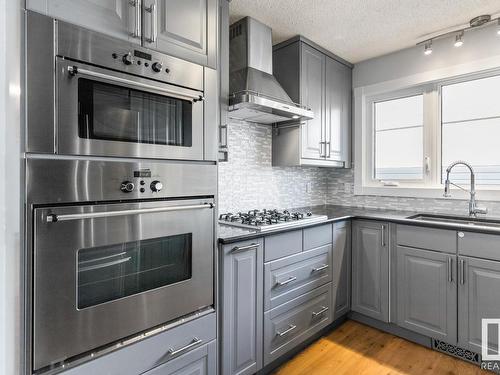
[269,219]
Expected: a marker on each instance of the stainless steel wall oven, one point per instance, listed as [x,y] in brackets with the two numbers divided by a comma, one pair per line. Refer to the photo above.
[118,248]
[90,94]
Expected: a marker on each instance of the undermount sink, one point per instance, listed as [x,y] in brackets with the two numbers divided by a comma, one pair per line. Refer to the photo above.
[444,219]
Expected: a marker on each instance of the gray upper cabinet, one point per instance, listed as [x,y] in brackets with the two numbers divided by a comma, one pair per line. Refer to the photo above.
[182,28]
[116,18]
[321,81]
[242,307]
[370,269]
[426,293]
[478,298]
[312,74]
[338,111]
[341,259]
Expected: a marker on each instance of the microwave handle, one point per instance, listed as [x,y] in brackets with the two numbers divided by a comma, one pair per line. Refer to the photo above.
[73,71]
[53,218]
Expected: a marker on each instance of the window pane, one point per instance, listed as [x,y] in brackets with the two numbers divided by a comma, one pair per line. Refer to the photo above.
[471,100]
[399,139]
[471,130]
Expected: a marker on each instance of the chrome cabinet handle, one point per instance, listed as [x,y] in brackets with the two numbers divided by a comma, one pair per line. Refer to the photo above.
[287,281]
[290,328]
[329,149]
[54,218]
[154,22]
[223,136]
[323,310]
[238,249]
[196,341]
[462,271]
[450,269]
[74,71]
[382,239]
[321,149]
[320,268]
[104,265]
[138,26]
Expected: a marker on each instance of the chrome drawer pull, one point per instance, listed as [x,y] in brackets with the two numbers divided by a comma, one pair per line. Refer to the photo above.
[320,268]
[290,328]
[237,249]
[196,341]
[287,281]
[323,310]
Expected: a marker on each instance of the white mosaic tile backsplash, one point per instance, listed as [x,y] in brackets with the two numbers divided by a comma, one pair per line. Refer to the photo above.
[249,181]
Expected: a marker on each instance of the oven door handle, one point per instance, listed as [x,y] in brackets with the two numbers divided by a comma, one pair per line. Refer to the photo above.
[53,218]
[74,70]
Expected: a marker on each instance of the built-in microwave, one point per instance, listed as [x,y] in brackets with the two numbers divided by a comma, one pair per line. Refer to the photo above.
[93,95]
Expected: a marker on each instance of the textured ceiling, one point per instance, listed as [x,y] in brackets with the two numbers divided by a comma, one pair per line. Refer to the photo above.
[361,29]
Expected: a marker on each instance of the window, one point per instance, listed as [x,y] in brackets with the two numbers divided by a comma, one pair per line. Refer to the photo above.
[399,139]
[471,129]
[410,136]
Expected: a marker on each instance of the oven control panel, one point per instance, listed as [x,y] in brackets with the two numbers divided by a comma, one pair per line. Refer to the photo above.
[139,58]
[143,181]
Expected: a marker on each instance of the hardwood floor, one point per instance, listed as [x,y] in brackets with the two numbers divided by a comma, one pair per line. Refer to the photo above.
[356,349]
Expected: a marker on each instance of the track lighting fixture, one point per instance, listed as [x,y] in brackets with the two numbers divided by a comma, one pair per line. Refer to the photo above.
[459,39]
[428,48]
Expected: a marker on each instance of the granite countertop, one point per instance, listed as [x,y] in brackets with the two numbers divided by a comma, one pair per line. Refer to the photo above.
[229,234]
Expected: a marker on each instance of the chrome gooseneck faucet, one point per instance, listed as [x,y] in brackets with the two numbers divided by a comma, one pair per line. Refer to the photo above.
[473,208]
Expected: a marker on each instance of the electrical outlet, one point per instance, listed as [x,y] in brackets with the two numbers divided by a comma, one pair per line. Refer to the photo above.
[308,187]
[347,187]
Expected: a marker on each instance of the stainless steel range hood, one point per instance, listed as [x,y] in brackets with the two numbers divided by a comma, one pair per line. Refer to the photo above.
[256,96]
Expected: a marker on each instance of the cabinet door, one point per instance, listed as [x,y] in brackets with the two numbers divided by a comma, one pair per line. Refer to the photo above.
[115,18]
[337,110]
[312,95]
[201,361]
[478,298]
[427,293]
[370,269]
[242,307]
[183,28]
[341,260]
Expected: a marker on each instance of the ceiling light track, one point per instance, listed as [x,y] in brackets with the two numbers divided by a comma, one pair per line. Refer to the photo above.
[474,23]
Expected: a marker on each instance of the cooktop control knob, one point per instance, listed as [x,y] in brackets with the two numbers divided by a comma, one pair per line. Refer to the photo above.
[127,186]
[156,186]
[157,66]
[128,59]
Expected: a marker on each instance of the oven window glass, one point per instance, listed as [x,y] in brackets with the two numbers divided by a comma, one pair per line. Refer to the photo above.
[110,272]
[117,113]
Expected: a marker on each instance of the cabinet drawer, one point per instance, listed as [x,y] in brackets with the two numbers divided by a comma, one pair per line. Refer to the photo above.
[317,236]
[282,245]
[427,238]
[149,353]
[479,245]
[200,361]
[290,324]
[290,277]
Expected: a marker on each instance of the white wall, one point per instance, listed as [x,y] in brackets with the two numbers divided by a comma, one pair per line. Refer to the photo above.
[10,187]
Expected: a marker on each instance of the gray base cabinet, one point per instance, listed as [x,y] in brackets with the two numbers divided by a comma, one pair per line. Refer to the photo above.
[341,268]
[201,361]
[370,271]
[478,298]
[426,293]
[242,307]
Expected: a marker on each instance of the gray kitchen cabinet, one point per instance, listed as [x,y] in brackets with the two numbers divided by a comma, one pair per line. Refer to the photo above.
[338,111]
[478,298]
[427,293]
[242,307]
[341,259]
[370,269]
[223,52]
[322,82]
[201,361]
[183,28]
[312,73]
[112,17]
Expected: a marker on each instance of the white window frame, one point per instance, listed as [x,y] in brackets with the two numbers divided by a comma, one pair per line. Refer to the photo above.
[364,121]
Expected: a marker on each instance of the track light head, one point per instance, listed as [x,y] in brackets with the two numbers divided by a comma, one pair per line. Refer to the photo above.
[428,48]
[459,42]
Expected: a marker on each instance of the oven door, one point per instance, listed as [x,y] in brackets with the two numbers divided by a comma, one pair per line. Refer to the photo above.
[101,112]
[106,272]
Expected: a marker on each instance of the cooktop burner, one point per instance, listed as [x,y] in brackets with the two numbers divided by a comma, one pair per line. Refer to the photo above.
[269,219]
